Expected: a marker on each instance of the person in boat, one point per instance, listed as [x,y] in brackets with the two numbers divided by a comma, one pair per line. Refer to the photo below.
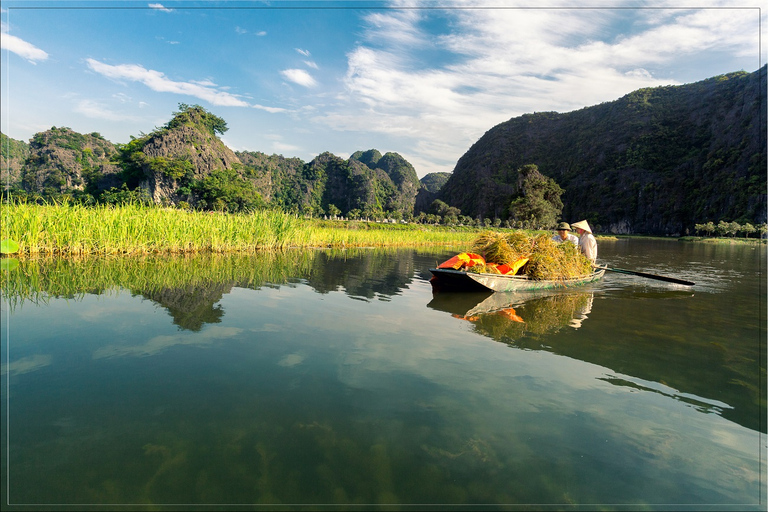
[587,242]
[564,235]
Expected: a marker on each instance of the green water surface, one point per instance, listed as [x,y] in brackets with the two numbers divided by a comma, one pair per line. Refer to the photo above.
[318,379]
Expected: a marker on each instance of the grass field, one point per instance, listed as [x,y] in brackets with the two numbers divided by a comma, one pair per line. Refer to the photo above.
[137,229]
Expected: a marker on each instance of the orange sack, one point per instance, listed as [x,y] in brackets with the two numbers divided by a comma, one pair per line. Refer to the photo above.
[465,259]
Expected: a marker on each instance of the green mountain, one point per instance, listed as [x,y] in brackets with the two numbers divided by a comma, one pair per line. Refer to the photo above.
[434,181]
[61,160]
[364,184]
[657,160]
[184,161]
[430,186]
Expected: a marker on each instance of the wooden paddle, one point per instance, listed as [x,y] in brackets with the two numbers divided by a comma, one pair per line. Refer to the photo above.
[649,276]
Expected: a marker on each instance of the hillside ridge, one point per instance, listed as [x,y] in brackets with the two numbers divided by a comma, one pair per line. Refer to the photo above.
[657,161]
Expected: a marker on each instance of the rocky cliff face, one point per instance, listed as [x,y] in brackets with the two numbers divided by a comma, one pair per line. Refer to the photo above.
[270,174]
[13,154]
[396,178]
[430,187]
[655,161]
[62,160]
[179,155]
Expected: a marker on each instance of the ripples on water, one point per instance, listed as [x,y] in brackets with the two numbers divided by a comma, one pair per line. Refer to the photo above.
[333,377]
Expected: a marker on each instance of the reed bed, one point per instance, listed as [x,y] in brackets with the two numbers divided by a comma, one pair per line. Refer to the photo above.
[139,229]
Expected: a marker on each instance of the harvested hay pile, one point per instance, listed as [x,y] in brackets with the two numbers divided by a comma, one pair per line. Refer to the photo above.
[547,259]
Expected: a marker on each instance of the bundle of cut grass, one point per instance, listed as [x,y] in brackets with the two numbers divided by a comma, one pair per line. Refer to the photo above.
[552,260]
[547,259]
[502,249]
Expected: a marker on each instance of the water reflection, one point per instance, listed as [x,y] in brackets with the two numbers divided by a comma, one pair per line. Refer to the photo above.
[190,287]
[632,330]
[512,317]
[642,353]
[243,378]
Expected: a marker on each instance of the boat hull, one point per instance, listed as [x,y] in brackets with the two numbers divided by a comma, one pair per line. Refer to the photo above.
[459,280]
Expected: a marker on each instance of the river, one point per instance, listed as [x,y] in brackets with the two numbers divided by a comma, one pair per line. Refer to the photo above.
[313,378]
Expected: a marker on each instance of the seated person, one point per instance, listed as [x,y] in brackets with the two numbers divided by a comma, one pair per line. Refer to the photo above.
[563,234]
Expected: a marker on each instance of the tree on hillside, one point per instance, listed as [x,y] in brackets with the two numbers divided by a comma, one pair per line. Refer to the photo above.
[225,190]
[196,114]
[538,202]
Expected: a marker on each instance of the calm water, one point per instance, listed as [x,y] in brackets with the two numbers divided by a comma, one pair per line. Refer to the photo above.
[340,378]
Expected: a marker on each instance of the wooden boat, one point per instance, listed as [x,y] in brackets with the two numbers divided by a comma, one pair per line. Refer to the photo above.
[459,280]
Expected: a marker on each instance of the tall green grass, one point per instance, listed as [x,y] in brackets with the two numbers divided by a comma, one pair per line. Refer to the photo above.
[137,229]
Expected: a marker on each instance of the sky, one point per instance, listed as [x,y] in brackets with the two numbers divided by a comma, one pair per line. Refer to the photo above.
[422,79]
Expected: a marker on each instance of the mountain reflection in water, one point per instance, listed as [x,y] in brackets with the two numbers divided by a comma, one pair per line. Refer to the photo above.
[190,289]
[338,377]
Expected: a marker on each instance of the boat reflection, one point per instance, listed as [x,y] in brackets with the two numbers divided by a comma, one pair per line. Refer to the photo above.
[510,317]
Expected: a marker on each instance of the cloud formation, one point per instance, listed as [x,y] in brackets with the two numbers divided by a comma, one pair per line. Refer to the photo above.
[96,110]
[157,81]
[160,7]
[22,48]
[489,65]
[299,76]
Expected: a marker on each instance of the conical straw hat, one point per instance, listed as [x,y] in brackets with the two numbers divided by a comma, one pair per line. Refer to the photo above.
[583,225]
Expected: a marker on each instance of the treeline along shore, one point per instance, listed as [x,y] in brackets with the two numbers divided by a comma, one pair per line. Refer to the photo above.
[136,228]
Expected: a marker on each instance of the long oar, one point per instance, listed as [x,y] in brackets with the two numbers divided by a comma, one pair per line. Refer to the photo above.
[649,276]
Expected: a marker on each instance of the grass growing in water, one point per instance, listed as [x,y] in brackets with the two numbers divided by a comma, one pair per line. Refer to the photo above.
[138,229]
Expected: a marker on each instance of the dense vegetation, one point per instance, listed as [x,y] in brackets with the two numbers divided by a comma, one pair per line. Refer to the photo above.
[665,160]
[50,229]
[183,163]
[659,160]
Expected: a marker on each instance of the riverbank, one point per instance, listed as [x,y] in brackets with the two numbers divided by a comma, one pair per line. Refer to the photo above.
[702,239]
[47,230]
[724,241]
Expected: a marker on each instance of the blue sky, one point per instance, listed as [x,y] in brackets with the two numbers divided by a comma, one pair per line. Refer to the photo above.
[423,79]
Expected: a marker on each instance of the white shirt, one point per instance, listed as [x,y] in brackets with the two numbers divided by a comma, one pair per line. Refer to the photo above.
[588,246]
[569,237]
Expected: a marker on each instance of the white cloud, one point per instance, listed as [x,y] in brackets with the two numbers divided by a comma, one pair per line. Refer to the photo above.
[398,27]
[494,64]
[160,7]
[281,146]
[161,343]
[303,52]
[157,81]
[26,364]
[96,110]
[299,76]
[271,110]
[22,48]
[261,33]
[310,64]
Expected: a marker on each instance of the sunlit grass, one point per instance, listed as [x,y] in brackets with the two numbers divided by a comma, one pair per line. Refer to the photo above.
[138,229]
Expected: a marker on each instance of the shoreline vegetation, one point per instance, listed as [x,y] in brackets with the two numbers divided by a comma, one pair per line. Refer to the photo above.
[71,230]
[64,230]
